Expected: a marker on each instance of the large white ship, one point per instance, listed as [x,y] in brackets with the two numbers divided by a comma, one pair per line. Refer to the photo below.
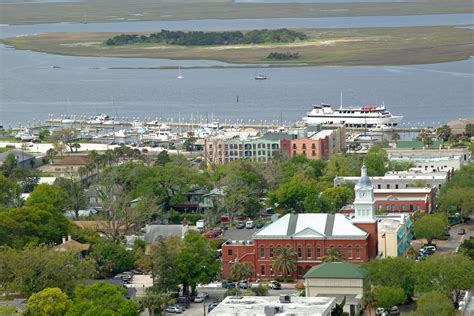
[364,116]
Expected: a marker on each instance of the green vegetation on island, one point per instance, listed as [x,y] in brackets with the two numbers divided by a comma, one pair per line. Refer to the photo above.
[198,38]
[360,46]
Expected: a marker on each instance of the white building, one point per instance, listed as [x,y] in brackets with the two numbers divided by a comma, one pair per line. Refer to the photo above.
[273,305]
[394,234]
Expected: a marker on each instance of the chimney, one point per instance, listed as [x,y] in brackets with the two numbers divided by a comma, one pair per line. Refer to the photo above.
[64,240]
[69,238]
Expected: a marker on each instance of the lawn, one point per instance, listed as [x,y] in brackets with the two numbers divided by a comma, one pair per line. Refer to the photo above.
[324,47]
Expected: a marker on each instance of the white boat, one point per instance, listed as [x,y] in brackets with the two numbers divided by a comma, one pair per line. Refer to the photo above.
[180,76]
[260,77]
[67,120]
[159,136]
[101,119]
[364,116]
[381,128]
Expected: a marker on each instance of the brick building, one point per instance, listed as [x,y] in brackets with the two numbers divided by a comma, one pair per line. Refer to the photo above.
[321,145]
[310,236]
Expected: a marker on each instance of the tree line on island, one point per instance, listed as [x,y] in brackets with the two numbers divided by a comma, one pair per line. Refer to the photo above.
[196,38]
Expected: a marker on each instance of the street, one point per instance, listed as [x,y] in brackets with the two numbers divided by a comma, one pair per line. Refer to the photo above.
[450,245]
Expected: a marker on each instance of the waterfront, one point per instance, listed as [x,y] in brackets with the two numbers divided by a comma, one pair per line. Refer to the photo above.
[34,85]
[31,88]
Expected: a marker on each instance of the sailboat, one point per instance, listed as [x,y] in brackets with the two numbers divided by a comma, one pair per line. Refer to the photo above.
[68,118]
[180,76]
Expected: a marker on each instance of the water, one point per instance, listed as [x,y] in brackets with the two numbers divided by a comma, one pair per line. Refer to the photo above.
[244,24]
[30,88]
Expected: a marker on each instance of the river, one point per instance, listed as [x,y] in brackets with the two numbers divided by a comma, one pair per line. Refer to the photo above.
[33,85]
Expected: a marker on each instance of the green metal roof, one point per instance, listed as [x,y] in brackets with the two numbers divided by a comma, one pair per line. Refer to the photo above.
[336,270]
[417,144]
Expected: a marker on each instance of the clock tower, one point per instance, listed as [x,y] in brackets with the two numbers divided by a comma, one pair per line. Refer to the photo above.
[364,198]
[364,211]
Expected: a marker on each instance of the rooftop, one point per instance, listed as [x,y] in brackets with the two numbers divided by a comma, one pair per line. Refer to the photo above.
[322,134]
[255,306]
[390,223]
[332,226]
[336,270]
[20,155]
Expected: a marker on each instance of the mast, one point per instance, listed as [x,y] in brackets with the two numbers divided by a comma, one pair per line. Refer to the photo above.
[340,107]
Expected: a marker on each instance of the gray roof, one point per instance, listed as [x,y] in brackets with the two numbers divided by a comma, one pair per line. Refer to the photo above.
[277,136]
[20,155]
[364,180]
[154,232]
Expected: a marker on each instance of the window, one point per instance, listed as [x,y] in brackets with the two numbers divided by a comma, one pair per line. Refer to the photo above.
[271,271]
[294,152]
[379,186]
[271,251]
[309,252]
[262,270]
[299,252]
[304,153]
[313,146]
[229,252]
[318,251]
[357,252]
[417,207]
[340,249]
[396,186]
[262,252]
[349,252]
[304,146]
[294,146]
[313,153]
[404,207]
[388,186]
[411,207]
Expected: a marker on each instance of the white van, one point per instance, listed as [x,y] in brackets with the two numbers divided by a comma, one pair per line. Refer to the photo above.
[249,224]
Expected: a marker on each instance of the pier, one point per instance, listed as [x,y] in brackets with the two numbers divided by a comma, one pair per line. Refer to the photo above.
[182,123]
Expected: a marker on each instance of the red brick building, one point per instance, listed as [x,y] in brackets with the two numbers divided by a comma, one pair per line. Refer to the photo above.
[310,236]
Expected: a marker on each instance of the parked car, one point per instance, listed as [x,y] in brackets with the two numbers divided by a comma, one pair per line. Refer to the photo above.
[212,306]
[461,231]
[274,285]
[379,311]
[259,225]
[199,298]
[183,300]
[394,311]
[427,251]
[228,284]
[243,285]
[174,309]
[137,271]
[145,151]
[249,224]
[240,226]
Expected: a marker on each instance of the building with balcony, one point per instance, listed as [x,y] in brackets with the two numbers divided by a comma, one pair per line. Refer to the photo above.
[394,234]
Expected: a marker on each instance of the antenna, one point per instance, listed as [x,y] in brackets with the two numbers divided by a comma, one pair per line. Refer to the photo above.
[341,102]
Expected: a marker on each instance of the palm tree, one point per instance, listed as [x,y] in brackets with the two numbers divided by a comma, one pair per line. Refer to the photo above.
[156,300]
[369,301]
[242,271]
[284,261]
[333,255]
